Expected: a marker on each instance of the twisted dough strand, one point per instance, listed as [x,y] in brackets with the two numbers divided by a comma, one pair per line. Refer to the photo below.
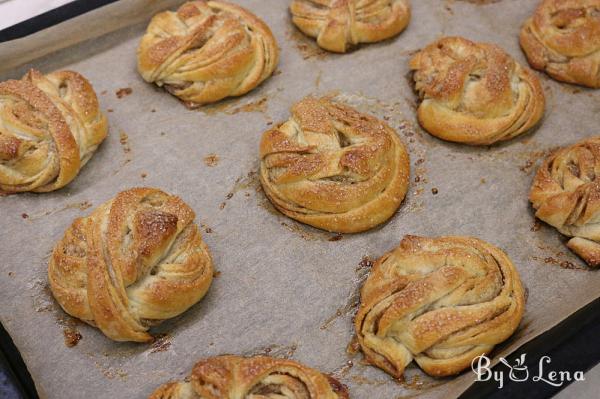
[259,377]
[50,125]
[340,24]
[566,195]
[333,167]
[474,93]
[206,51]
[136,260]
[441,302]
[563,39]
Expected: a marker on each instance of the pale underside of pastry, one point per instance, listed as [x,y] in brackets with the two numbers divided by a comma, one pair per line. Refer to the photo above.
[50,126]
[474,93]
[259,377]
[339,25]
[562,38]
[333,167]
[566,194]
[206,51]
[136,260]
[439,301]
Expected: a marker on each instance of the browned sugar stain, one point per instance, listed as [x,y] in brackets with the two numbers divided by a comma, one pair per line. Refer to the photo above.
[336,237]
[307,46]
[211,160]
[161,343]
[232,107]
[361,380]
[536,226]
[353,346]
[72,336]
[124,140]
[123,92]
[82,206]
[341,371]
[274,350]
[353,300]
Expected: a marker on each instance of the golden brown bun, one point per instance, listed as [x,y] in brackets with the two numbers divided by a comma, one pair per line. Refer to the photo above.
[50,125]
[566,195]
[333,167]
[206,51]
[340,24]
[440,301]
[474,93]
[259,377]
[136,260]
[563,39]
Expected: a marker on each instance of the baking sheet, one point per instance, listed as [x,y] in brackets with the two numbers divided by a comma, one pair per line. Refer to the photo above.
[284,288]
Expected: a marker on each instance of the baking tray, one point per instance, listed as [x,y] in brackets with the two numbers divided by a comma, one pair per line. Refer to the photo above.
[284,288]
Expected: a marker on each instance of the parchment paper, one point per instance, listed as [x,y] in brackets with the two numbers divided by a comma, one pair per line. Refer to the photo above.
[284,288]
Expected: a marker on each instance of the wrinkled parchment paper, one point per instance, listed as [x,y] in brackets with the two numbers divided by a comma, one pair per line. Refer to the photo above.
[284,288]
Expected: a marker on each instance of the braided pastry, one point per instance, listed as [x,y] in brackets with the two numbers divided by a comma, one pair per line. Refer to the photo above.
[563,39]
[566,195]
[442,301]
[50,125]
[333,167]
[206,51]
[259,377]
[340,24]
[136,260]
[474,93]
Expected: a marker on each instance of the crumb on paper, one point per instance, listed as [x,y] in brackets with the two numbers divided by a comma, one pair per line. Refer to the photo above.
[434,191]
[211,160]
[144,175]
[103,92]
[336,237]
[109,110]
[216,273]
[222,205]
[11,274]
[24,215]
[125,91]
[229,196]
[72,336]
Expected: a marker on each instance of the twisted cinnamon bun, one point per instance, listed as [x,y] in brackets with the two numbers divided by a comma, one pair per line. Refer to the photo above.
[50,126]
[562,38]
[440,301]
[340,24]
[474,93]
[259,377]
[333,167]
[566,194]
[136,260]
[206,51]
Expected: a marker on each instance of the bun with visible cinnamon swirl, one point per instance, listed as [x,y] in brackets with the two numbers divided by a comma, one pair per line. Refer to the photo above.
[439,301]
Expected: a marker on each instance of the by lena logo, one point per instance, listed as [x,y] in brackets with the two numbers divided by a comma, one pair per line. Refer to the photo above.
[519,372]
